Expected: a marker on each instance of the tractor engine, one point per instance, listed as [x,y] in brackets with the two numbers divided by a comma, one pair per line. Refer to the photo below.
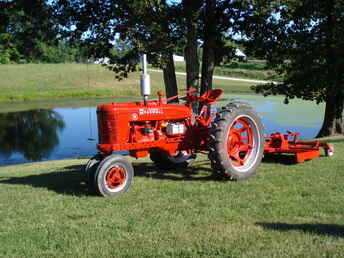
[139,127]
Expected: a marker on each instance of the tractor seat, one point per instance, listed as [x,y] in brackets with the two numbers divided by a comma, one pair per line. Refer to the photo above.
[211,96]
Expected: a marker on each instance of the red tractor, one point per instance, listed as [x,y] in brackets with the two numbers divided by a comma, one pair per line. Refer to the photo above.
[172,135]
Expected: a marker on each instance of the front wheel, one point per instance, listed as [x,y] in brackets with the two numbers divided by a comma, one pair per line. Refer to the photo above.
[114,175]
[237,142]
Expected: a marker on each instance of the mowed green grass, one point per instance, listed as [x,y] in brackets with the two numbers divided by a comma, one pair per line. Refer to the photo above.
[55,81]
[285,210]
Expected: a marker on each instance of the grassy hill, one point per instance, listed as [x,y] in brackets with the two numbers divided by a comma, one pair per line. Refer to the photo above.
[55,81]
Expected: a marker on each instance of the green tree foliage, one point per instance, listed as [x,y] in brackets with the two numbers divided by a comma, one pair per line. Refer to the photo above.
[144,26]
[29,32]
[303,41]
[159,28]
[26,28]
[62,52]
[119,30]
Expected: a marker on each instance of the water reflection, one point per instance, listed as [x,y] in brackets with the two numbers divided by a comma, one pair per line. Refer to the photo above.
[34,133]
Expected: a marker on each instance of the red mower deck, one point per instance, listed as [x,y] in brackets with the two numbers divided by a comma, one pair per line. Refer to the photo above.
[289,143]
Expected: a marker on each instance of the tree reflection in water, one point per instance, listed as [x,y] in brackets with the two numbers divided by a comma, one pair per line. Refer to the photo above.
[32,133]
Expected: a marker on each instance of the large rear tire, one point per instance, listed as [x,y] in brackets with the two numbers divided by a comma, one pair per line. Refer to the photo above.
[114,175]
[237,142]
[163,161]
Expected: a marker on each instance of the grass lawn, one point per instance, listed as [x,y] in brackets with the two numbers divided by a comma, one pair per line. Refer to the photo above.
[53,81]
[285,210]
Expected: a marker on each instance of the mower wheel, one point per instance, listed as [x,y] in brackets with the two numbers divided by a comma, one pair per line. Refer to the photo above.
[329,152]
[114,175]
[237,142]
[163,161]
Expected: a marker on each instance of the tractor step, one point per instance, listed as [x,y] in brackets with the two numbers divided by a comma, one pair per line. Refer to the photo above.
[289,143]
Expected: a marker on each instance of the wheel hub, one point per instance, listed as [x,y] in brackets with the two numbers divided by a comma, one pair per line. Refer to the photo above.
[115,177]
[240,142]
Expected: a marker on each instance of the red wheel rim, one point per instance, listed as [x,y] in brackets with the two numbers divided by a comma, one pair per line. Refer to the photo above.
[116,177]
[240,142]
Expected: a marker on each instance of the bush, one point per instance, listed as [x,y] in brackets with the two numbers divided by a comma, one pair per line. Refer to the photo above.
[5,57]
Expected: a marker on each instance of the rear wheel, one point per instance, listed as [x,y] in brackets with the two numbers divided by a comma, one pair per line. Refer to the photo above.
[237,142]
[163,161]
[114,175]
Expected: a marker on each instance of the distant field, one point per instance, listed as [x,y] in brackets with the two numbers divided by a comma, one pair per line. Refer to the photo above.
[285,210]
[256,71]
[53,81]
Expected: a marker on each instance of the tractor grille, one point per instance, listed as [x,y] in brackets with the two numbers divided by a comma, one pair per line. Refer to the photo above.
[106,127]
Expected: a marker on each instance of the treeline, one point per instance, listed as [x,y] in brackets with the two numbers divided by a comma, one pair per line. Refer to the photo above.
[29,33]
[59,53]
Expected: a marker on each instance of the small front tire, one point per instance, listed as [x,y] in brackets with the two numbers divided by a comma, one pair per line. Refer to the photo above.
[114,175]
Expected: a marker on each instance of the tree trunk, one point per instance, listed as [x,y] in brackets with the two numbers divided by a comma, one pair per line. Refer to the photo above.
[169,74]
[192,8]
[333,118]
[191,57]
[209,45]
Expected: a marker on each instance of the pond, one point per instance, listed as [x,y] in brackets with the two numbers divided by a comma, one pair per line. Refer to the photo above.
[71,132]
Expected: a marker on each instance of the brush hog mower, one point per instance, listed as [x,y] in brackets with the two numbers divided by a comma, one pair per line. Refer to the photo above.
[172,135]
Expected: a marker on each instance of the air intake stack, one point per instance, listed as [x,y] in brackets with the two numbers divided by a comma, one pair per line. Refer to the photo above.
[144,79]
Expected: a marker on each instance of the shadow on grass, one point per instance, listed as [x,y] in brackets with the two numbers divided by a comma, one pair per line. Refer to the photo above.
[67,180]
[197,173]
[319,229]
[279,159]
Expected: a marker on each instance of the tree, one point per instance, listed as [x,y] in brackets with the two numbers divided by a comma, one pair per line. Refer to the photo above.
[210,35]
[192,9]
[146,26]
[212,23]
[157,28]
[303,41]
[27,27]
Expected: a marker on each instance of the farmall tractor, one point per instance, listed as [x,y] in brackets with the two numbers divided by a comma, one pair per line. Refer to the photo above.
[172,135]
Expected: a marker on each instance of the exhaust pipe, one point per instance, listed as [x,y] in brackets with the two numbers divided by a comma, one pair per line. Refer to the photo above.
[144,80]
